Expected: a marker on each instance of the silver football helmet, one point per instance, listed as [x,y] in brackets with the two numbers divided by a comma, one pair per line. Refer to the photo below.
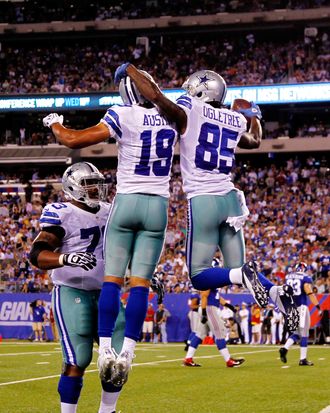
[206,85]
[130,93]
[84,183]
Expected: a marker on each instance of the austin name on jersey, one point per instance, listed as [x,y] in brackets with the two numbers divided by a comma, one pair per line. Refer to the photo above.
[145,149]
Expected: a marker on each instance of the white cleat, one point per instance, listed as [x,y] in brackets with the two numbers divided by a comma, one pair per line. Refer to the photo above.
[105,364]
[121,368]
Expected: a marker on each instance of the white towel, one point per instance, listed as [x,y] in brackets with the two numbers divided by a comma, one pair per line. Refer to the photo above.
[238,222]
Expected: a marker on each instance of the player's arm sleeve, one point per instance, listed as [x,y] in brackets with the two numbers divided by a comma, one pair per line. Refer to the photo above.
[112,122]
[42,253]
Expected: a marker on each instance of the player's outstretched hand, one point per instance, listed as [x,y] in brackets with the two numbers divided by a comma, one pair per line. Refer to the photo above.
[254,110]
[85,260]
[158,287]
[52,118]
[121,72]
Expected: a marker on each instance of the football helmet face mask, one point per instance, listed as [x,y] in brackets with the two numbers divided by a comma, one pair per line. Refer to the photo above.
[130,93]
[84,183]
[206,85]
[301,267]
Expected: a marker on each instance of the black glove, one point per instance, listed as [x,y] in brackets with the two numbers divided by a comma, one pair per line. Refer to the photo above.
[231,307]
[158,287]
[204,316]
[85,260]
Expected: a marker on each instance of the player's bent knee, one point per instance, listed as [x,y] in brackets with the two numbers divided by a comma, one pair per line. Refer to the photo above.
[73,370]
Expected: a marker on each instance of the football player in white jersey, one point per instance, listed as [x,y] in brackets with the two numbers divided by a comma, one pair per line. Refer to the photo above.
[136,227]
[209,135]
[71,245]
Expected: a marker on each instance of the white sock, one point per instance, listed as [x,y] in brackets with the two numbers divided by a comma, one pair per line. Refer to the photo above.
[191,352]
[274,295]
[288,343]
[303,353]
[105,343]
[128,345]
[235,276]
[108,402]
[225,354]
[68,408]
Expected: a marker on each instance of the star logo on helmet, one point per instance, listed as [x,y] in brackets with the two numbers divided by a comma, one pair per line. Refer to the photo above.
[203,80]
[70,172]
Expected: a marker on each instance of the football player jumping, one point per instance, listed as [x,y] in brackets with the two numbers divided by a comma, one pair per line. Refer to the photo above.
[209,135]
[136,228]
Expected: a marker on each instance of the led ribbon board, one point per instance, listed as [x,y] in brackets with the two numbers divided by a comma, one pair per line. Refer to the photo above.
[270,94]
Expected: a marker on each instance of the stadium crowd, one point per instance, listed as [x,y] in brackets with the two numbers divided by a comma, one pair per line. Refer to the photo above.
[30,11]
[289,216]
[88,66]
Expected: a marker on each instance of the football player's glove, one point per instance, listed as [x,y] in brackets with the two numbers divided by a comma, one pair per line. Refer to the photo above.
[52,118]
[204,316]
[254,110]
[85,260]
[120,72]
[158,287]
[231,307]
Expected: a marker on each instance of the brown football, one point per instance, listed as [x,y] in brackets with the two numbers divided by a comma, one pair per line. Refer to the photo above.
[240,104]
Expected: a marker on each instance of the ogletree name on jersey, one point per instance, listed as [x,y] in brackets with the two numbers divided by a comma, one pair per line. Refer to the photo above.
[222,117]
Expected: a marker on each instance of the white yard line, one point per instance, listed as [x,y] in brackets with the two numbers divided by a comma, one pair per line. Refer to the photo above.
[148,363]
[30,352]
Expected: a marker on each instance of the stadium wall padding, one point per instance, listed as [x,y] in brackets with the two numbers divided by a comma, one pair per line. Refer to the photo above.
[16,320]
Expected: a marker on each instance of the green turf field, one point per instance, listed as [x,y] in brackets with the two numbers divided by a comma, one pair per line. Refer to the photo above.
[159,383]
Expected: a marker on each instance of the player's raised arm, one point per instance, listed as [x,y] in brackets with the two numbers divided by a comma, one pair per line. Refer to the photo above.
[151,92]
[252,138]
[73,138]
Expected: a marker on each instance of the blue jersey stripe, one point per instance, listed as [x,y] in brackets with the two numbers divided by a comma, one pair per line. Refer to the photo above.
[184,103]
[50,214]
[114,116]
[52,221]
[110,120]
[185,97]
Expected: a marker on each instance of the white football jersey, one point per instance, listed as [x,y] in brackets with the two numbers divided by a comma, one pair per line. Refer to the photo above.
[83,233]
[207,147]
[145,149]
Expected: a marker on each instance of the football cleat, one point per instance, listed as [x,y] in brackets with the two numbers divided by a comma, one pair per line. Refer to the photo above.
[252,283]
[287,305]
[105,364]
[283,352]
[158,287]
[305,362]
[235,362]
[190,363]
[121,368]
